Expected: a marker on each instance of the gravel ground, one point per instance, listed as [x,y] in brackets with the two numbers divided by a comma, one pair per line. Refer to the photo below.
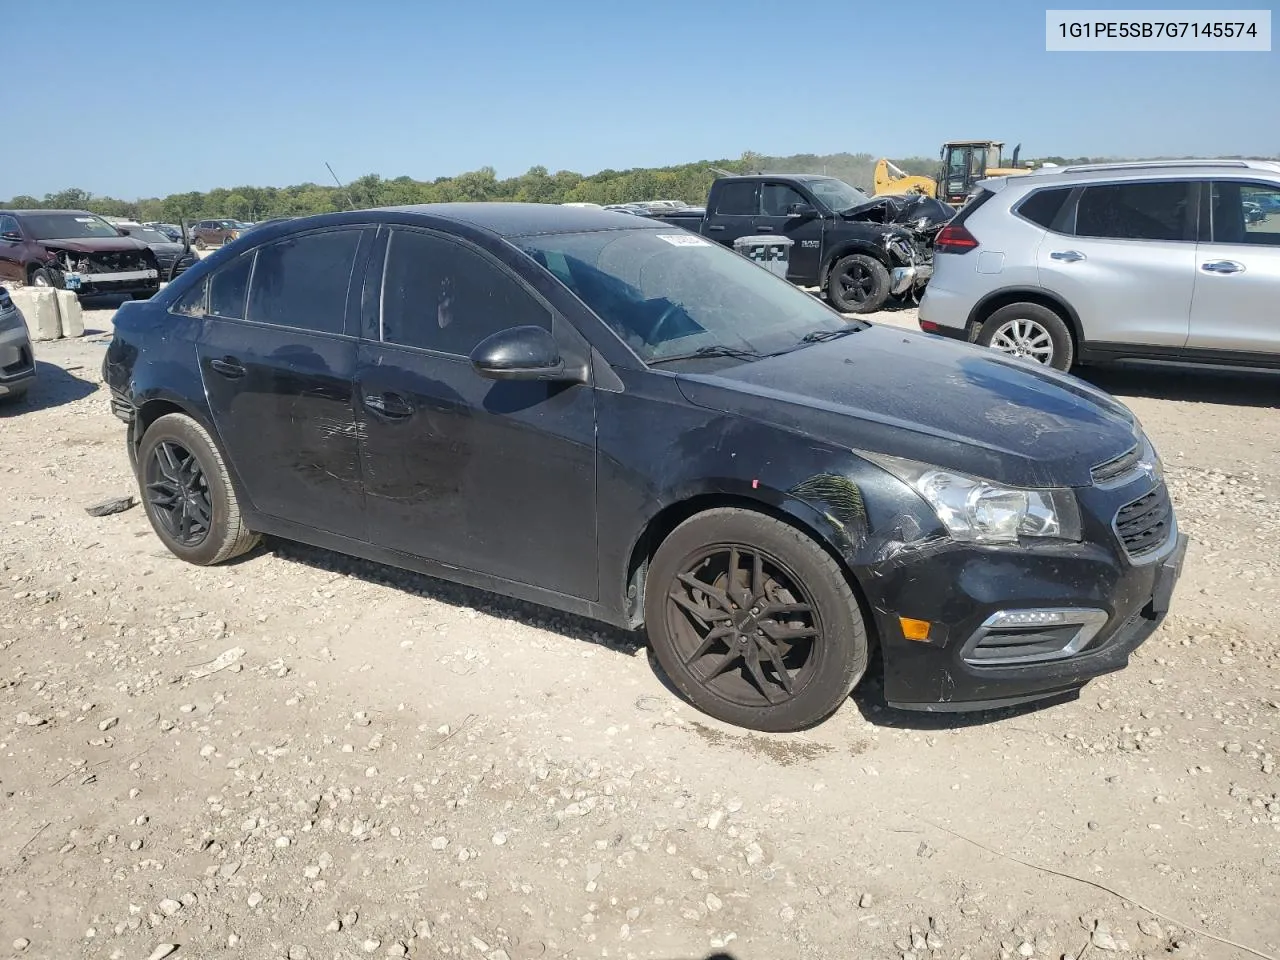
[304,756]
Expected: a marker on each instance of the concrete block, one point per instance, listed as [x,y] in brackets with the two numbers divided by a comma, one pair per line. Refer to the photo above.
[39,306]
[70,316]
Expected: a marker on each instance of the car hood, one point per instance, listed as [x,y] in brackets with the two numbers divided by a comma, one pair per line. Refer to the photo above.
[949,404]
[908,210]
[167,249]
[95,244]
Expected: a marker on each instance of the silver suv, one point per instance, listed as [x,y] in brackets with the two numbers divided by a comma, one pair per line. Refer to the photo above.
[1171,260]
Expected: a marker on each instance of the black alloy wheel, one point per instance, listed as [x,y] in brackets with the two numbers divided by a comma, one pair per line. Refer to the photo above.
[753,621]
[858,283]
[178,493]
[744,625]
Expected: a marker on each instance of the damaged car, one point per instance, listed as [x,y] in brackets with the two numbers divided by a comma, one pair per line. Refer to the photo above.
[607,415]
[74,250]
[172,256]
[859,250]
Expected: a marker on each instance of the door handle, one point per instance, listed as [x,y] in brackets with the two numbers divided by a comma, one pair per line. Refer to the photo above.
[229,367]
[1222,266]
[764,229]
[1067,256]
[390,406]
[716,226]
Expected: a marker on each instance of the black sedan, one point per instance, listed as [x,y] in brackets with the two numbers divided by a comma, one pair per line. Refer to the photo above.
[171,257]
[614,417]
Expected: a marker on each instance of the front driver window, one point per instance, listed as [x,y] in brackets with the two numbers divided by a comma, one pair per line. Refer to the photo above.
[1246,213]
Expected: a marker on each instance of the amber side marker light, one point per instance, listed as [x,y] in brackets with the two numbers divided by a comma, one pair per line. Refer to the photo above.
[914,629]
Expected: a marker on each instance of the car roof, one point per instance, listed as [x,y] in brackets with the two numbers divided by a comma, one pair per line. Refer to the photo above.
[1137,170]
[523,219]
[38,213]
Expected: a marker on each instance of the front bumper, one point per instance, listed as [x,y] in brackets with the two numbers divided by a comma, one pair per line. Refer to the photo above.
[960,588]
[17,360]
[127,281]
[902,279]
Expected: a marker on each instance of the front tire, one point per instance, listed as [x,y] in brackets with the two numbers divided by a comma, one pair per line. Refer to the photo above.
[187,493]
[858,284]
[46,278]
[753,621]
[1030,331]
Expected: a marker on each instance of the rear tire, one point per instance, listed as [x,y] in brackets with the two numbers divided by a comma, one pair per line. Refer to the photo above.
[187,493]
[794,602]
[858,284]
[1031,331]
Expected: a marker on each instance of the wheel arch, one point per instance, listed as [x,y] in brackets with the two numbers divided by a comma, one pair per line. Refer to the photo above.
[783,507]
[992,302]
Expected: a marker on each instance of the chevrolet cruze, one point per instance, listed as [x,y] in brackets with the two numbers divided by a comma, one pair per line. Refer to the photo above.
[614,417]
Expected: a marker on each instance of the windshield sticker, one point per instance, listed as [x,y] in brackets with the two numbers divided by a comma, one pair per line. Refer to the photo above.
[86,219]
[683,240]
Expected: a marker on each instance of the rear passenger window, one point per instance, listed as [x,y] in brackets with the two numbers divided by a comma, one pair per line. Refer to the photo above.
[1136,211]
[303,281]
[440,295]
[1043,206]
[227,288]
[737,200]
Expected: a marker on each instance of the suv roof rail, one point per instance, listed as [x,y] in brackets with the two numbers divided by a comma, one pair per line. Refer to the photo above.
[1158,164]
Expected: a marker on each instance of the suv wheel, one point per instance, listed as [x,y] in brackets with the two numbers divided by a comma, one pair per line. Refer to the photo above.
[1032,332]
[753,621]
[44,277]
[188,495]
[858,284]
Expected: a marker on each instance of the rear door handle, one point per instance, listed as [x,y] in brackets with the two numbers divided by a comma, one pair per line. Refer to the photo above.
[1067,256]
[764,229]
[389,406]
[716,226]
[1222,266]
[229,367]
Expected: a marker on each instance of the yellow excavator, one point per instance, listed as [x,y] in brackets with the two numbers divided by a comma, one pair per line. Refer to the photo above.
[964,163]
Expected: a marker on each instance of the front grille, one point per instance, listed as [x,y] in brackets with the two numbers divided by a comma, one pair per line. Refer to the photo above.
[1145,524]
[1113,469]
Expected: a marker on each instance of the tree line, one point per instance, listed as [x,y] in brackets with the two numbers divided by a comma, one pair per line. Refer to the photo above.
[688,182]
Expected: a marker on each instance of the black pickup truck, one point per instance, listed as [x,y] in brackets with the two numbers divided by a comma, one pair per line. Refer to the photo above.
[859,250]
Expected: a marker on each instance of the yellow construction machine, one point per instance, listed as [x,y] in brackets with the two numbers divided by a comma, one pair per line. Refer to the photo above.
[964,163]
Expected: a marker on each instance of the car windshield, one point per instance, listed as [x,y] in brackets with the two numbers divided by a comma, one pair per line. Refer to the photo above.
[672,295]
[67,226]
[837,194]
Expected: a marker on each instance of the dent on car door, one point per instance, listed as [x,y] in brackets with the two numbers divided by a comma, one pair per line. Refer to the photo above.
[278,368]
[1126,261]
[493,476]
[1236,306]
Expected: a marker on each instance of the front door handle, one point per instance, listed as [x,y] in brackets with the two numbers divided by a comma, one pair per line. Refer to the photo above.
[764,229]
[716,226]
[1222,266]
[389,406]
[229,367]
[1067,256]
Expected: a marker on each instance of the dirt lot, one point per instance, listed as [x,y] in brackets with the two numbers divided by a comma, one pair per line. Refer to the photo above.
[391,766]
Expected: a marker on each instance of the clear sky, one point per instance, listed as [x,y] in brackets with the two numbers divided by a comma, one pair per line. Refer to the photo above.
[159,97]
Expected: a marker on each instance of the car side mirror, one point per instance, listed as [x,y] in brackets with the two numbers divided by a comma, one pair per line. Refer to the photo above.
[13,236]
[802,210]
[122,231]
[522,353]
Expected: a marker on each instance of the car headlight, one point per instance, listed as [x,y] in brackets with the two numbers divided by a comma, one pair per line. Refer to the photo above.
[979,511]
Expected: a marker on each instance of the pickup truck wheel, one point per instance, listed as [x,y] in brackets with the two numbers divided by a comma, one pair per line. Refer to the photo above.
[1032,332]
[858,284]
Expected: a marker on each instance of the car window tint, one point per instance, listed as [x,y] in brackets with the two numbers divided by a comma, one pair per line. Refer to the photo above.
[1043,206]
[777,198]
[8,225]
[737,200]
[191,303]
[440,295]
[228,287]
[303,281]
[1245,213]
[1134,211]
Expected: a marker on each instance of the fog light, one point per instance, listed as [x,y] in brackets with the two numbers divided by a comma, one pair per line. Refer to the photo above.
[1027,618]
[914,629]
